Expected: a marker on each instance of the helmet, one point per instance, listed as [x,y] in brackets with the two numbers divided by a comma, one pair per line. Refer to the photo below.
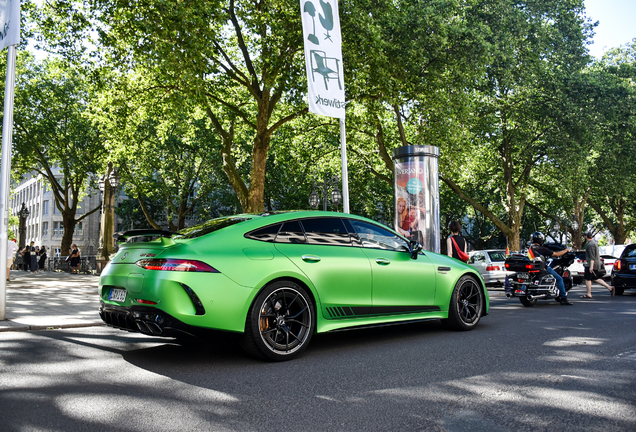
[538,238]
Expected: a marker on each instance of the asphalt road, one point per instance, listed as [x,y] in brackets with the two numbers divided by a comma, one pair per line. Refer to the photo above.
[545,368]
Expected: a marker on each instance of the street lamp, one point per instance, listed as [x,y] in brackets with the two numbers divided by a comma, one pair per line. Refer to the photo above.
[23,213]
[335,196]
[107,185]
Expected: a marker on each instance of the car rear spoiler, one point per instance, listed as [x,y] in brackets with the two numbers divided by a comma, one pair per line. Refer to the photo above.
[125,236]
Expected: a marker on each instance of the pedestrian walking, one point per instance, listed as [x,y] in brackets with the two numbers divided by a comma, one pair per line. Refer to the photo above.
[42,257]
[11,250]
[33,256]
[593,266]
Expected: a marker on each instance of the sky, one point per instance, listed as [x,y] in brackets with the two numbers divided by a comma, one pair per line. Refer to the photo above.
[617,23]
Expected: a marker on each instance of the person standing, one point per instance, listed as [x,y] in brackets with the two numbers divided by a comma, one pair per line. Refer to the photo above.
[593,258]
[74,253]
[42,257]
[11,249]
[26,258]
[33,252]
[459,241]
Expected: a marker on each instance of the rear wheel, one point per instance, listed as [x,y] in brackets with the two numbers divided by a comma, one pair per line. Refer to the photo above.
[527,301]
[280,322]
[466,306]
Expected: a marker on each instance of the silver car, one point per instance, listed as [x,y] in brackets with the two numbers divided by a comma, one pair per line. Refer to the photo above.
[491,265]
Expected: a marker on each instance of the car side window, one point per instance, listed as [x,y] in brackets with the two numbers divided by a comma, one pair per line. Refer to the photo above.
[291,232]
[375,237]
[267,234]
[326,231]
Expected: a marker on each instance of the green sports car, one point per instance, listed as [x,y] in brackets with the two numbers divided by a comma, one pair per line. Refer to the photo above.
[278,278]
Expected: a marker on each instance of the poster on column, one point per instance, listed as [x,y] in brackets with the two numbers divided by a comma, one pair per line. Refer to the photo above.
[323,57]
[411,200]
[9,23]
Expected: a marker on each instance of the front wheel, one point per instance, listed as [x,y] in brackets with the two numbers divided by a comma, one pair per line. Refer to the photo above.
[466,305]
[280,322]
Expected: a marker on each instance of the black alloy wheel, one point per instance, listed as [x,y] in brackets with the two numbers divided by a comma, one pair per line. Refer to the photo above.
[466,306]
[280,323]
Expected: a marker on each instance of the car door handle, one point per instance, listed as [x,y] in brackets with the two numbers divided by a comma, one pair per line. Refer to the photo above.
[310,258]
[383,261]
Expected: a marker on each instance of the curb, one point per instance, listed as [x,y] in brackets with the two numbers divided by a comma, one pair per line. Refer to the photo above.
[23,328]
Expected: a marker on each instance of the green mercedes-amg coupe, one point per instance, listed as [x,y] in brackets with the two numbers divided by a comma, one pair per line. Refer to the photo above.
[278,278]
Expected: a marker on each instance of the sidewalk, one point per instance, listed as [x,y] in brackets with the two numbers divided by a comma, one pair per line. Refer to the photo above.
[50,300]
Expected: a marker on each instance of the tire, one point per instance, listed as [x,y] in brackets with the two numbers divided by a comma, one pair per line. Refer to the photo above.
[466,305]
[527,302]
[619,290]
[280,322]
[568,284]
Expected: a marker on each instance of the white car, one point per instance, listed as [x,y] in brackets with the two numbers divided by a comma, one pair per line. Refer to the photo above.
[491,265]
[609,265]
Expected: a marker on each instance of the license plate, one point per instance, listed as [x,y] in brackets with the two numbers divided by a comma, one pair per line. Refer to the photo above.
[523,275]
[118,295]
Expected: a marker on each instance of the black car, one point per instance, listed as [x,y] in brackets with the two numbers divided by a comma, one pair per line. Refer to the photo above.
[624,271]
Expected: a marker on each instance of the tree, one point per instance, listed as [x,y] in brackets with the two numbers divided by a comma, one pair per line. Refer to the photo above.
[164,148]
[535,47]
[54,136]
[238,60]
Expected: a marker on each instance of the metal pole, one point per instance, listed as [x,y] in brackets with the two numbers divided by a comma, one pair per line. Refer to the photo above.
[325,191]
[5,172]
[345,175]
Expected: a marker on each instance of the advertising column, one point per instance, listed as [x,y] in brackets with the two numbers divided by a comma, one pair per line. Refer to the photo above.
[416,192]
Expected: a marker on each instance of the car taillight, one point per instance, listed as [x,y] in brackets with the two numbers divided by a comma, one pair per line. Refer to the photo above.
[566,273]
[492,268]
[183,265]
[142,301]
[617,265]
[507,265]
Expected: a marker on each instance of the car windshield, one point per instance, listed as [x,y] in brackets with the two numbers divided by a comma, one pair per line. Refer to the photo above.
[210,226]
[497,256]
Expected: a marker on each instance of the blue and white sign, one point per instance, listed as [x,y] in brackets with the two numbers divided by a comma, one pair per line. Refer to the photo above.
[323,57]
[9,23]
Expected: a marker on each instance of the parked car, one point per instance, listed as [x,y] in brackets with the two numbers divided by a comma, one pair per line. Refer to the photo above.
[609,265]
[624,271]
[277,278]
[491,265]
[577,269]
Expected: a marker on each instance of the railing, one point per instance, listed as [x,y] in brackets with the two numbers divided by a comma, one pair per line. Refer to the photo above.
[88,264]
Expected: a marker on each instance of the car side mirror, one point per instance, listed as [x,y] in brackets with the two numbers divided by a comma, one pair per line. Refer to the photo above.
[414,248]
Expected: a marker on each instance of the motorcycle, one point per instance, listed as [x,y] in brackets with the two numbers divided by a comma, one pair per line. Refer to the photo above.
[532,282]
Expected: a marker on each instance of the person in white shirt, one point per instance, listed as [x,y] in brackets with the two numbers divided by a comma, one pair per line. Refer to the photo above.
[11,250]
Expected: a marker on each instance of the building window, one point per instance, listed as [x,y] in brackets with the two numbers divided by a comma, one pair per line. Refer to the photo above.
[45,229]
[45,207]
[58,229]
[78,229]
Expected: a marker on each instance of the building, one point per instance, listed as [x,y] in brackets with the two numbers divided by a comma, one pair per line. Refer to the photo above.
[44,224]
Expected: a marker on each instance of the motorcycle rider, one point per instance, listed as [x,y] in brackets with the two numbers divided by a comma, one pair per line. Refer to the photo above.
[537,249]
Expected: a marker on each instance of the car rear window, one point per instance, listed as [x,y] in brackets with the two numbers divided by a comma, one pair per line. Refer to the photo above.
[629,252]
[497,256]
[210,226]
